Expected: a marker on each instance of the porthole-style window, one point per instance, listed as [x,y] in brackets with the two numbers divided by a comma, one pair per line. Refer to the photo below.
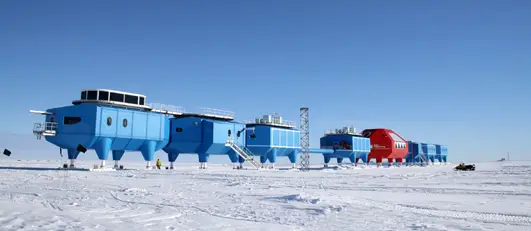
[125,123]
[179,129]
[109,121]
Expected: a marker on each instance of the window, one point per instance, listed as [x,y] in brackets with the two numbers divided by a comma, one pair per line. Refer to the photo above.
[179,129]
[142,101]
[109,121]
[131,99]
[71,120]
[117,97]
[229,132]
[367,134]
[92,95]
[104,95]
[83,95]
[395,137]
[125,123]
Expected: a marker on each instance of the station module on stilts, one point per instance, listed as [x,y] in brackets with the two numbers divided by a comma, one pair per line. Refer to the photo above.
[423,153]
[272,136]
[386,144]
[209,132]
[416,155]
[441,153]
[106,120]
[344,143]
[430,151]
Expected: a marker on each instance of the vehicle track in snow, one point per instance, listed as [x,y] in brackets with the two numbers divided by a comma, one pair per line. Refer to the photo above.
[501,218]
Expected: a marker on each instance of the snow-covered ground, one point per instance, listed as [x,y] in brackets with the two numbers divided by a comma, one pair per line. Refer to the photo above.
[33,196]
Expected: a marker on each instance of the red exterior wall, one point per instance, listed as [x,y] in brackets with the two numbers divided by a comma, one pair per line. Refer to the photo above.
[383,145]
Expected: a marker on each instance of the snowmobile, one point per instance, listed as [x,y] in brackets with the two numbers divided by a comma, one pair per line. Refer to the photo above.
[465,167]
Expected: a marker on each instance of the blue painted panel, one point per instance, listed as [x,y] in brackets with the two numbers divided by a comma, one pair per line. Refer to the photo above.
[191,130]
[283,138]
[120,143]
[87,113]
[105,128]
[221,130]
[275,137]
[263,136]
[154,126]
[139,125]
[125,118]
[239,127]
[444,150]
[297,138]
[428,149]
[136,144]
[290,139]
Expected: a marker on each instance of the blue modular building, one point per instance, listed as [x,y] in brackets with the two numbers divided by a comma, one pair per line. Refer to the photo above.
[421,153]
[272,136]
[415,153]
[344,143]
[211,132]
[429,150]
[105,120]
[441,153]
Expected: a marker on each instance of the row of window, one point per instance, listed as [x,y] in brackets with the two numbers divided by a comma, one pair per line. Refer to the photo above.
[112,96]
[70,120]
[400,145]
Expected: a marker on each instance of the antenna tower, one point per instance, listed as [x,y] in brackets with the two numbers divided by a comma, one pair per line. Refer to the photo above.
[305,139]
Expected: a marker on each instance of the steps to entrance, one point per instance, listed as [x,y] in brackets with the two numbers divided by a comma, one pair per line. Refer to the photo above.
[424,158]
[245,153]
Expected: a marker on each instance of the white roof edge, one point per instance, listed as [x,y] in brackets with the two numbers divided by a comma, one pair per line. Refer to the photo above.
[115,91]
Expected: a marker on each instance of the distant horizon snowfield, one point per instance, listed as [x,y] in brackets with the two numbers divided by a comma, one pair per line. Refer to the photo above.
[33,196]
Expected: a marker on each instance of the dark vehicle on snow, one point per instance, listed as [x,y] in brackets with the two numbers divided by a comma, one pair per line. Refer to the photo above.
[465,167]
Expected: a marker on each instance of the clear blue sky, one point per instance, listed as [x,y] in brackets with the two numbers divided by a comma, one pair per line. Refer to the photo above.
[451,72]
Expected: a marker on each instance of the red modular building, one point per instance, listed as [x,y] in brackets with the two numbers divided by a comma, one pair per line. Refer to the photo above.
[386,144]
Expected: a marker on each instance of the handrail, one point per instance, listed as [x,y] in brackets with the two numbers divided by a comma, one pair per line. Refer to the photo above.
[166,109]
[217,112]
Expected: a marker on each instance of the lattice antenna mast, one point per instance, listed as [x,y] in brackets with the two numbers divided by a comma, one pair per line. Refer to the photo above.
[305,139]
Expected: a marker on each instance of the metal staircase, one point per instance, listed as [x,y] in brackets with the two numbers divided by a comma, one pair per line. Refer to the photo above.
[245,153]
[424,158]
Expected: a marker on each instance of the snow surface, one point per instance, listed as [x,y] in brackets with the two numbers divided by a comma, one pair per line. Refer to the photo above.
[34,196]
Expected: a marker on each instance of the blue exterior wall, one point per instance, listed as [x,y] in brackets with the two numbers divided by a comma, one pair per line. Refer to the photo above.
[429,150]
[270,142]
[414,149]
[354,147]
[144,131]
[196,135]
[441,153]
